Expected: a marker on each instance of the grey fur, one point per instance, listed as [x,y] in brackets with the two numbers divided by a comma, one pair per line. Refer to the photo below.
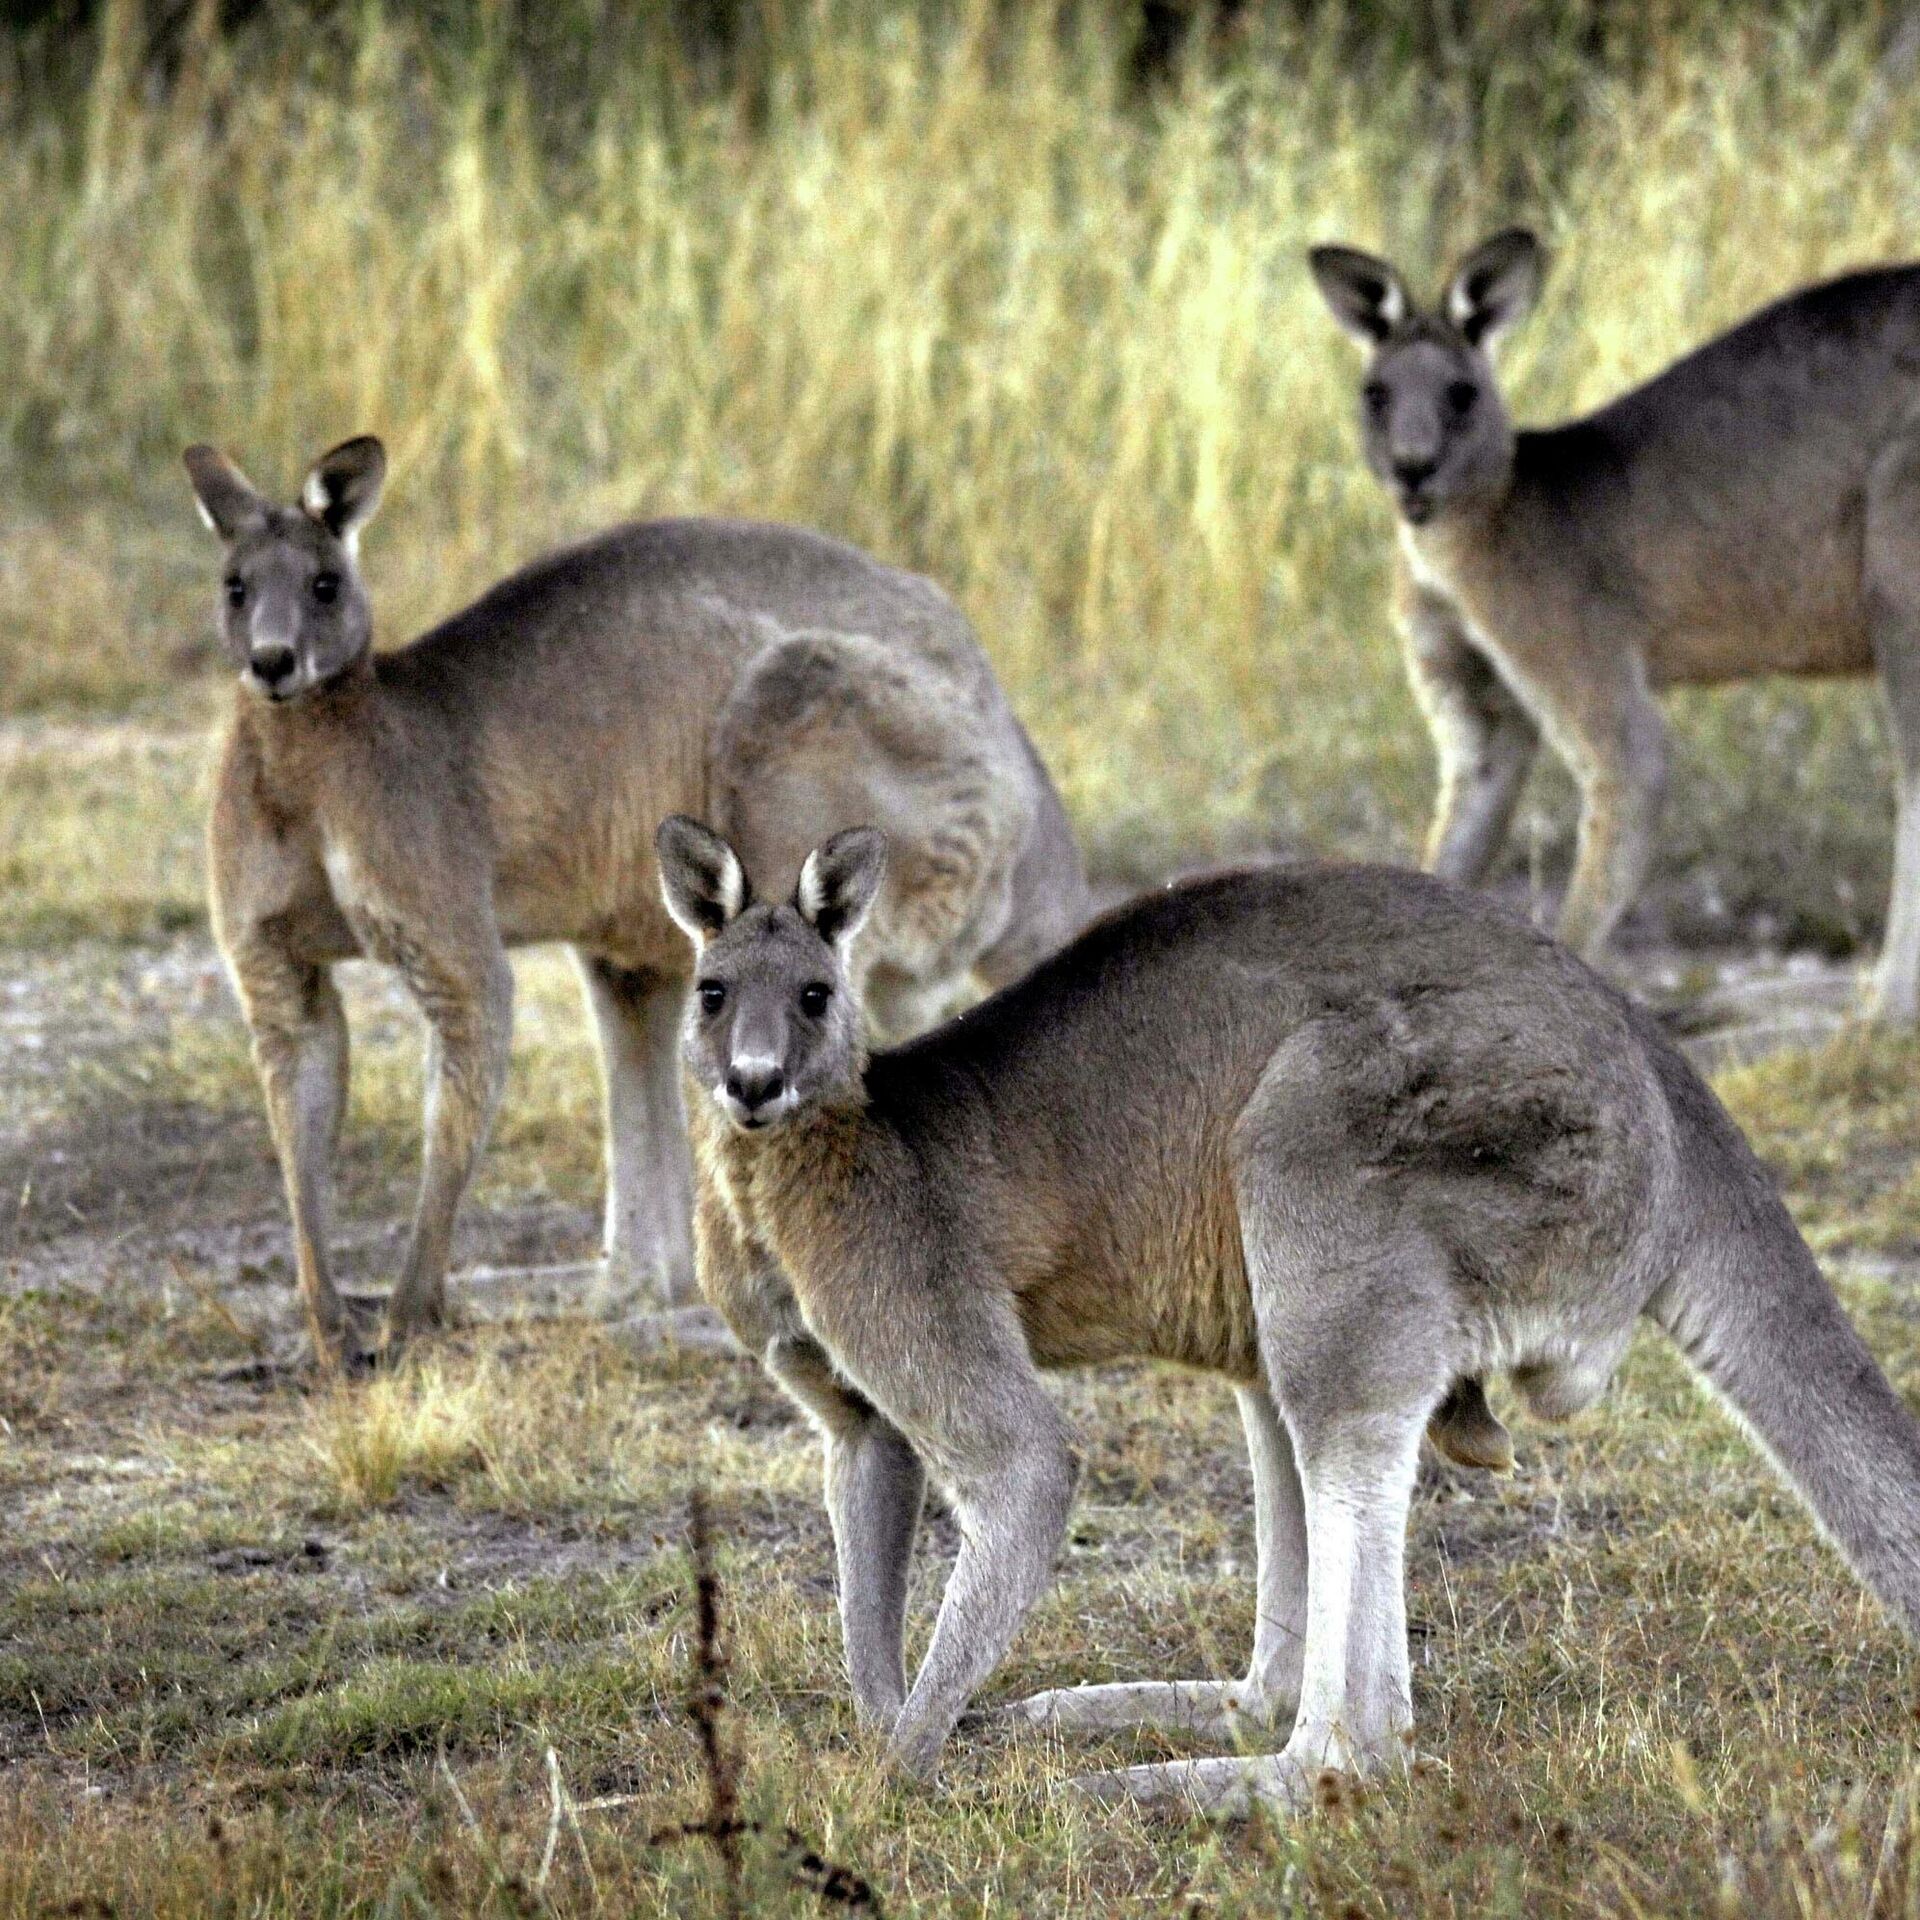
[1753,509]
[1345,1136]
[496,783]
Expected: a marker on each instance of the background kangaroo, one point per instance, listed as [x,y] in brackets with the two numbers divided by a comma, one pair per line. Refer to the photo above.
[1345,1136]
[1754,509]
[496,782]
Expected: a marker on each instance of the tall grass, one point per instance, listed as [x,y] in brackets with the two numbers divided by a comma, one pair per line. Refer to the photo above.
[942,281]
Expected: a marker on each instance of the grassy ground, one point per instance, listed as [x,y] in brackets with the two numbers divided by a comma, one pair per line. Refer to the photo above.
[267,1648]
[938,282]
[256,1646]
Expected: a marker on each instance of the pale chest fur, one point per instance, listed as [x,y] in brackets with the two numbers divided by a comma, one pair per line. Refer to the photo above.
[786,1198]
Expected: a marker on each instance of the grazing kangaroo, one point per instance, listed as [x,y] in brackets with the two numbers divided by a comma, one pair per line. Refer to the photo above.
[496,783]
[1344,1135]
[1754,509]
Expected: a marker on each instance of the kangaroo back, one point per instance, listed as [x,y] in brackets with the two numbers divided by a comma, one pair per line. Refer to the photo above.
[1752,1311]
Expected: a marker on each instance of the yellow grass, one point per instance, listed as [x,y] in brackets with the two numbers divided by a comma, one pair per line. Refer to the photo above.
[942,285]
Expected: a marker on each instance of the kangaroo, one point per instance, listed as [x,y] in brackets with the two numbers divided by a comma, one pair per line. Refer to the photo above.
[496,782]
[1753,509]
[1346,1136]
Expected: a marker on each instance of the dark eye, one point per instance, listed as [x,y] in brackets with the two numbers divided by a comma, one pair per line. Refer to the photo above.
[713,996]
[814,998]
[326,588]
[1460,398]
[1375,394]
[236,592]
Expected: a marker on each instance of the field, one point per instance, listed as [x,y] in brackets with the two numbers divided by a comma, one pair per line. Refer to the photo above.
[951,282]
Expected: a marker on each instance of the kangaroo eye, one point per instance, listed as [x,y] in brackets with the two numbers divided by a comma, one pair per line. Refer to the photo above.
[814,998]
[326,588]
[1375,394]
[713,996]
[236,592]
[1460,397]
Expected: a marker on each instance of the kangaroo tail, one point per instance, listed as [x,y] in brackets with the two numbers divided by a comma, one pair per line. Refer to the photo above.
[1752,1311]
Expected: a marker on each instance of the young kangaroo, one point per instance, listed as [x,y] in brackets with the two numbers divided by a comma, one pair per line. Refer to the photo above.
[1754,509]
[1345,1136]
[496,783]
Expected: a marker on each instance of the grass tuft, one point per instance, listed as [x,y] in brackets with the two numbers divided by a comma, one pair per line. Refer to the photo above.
[416,1428]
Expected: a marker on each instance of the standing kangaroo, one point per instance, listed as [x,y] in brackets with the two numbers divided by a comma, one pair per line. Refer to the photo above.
[496,783]
[1754,509]
[1346,1136]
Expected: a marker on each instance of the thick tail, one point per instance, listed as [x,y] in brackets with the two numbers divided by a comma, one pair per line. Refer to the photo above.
[1753,1312]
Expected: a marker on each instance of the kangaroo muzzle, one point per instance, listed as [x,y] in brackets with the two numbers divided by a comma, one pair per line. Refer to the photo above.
[755,1091]
[274,667]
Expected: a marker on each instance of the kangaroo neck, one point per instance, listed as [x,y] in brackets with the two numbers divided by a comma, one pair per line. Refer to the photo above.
[792,1185]
[316,730]
[1453,546]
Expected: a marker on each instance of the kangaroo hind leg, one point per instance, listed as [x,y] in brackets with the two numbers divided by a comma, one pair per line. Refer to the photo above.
[1353,1307]
[1223,1709]
[649,1212]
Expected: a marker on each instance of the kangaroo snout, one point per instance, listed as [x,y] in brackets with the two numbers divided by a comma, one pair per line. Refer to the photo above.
[753,1086]
[273,666]
[1412,475]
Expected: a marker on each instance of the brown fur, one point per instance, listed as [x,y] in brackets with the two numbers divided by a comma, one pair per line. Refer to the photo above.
[1755,509]
[496,783]
[1344,1135]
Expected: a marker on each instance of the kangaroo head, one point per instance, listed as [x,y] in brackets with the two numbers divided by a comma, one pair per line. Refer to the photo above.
[773,1027]
[293,610]
[1435,428]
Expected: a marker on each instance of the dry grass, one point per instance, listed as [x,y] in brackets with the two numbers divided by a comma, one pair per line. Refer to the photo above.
[223,1680]
[240,1623]
[941,285]
[100,831]
[1839,1122]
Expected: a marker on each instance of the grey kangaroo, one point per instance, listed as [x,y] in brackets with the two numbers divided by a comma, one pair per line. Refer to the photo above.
[1344,1135]
[1754,509]
[497,781]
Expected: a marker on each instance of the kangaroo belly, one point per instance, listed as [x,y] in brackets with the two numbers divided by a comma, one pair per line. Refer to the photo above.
[1172,1289]
[576,863]
[1821,639]
[1727,604]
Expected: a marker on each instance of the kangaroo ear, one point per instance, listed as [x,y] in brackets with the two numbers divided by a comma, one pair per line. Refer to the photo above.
[1367,296]
[840,881]
[343,488]
[1495,286]
[226,497]
[701,878]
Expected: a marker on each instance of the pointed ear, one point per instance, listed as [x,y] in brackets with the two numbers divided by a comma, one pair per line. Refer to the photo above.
[1495,286]
[840,881]
[343,488]
[226,497]
[701,878]
[1367,296]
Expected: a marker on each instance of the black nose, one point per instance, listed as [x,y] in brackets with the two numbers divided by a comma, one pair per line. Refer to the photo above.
[273,664]
[1414,474]
[753,1090]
